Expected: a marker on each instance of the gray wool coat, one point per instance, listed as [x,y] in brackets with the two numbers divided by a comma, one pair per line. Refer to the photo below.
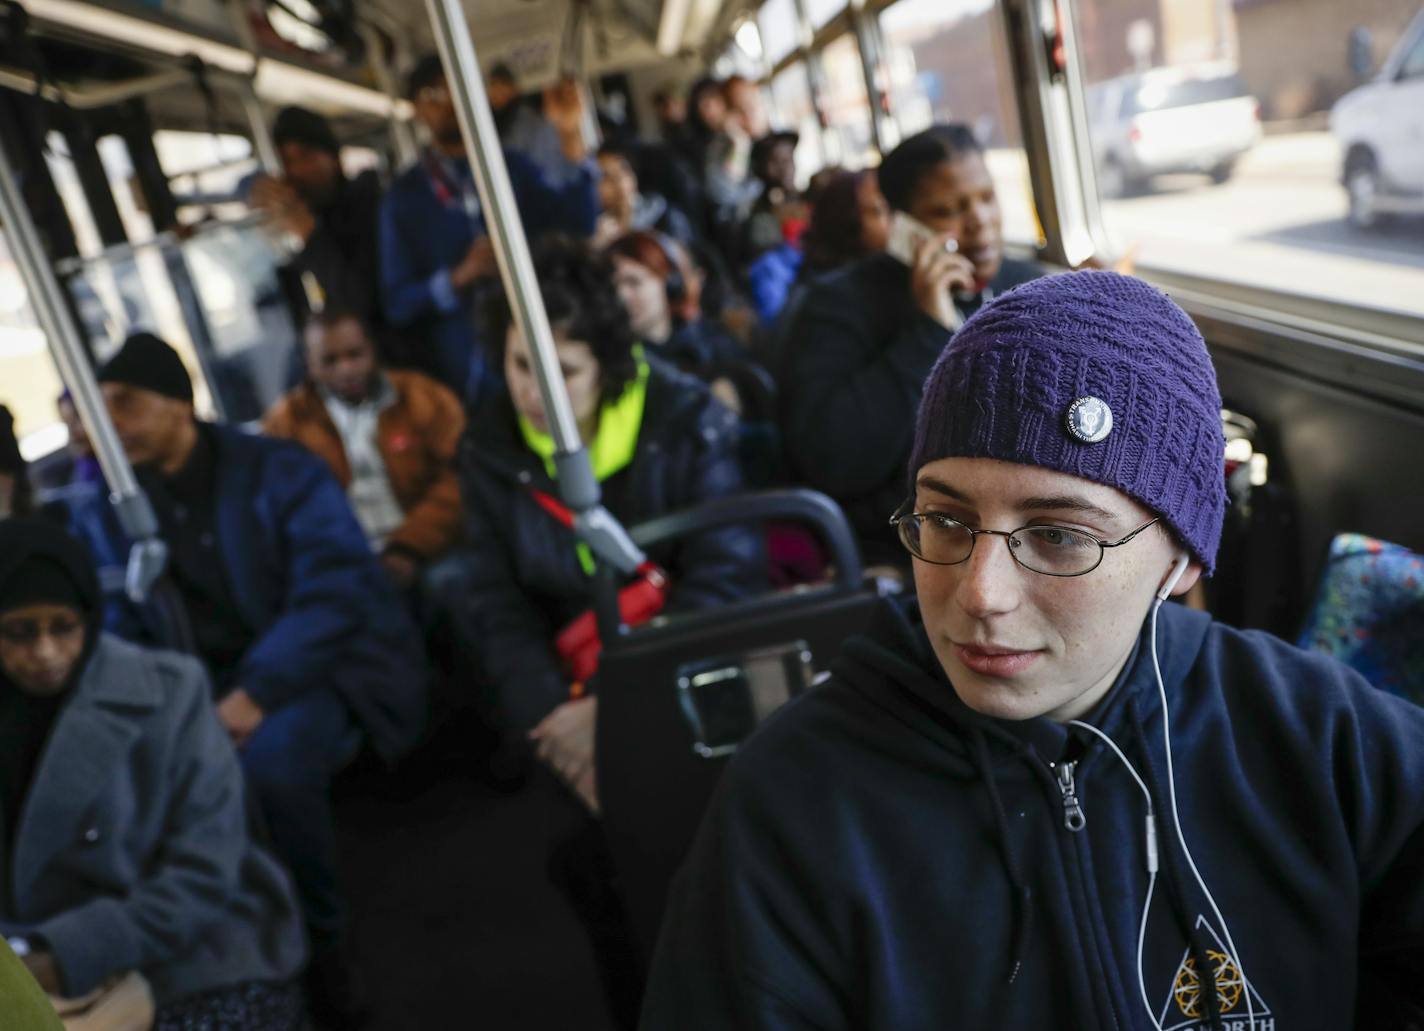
[133,850]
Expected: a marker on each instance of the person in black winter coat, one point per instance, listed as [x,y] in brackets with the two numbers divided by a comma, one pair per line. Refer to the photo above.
[1042,798]
[336,220]
[863,340]
[628,206]
[658,442]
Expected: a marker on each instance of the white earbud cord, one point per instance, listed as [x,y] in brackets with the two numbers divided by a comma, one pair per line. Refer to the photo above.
[1151,863]
[1177,824]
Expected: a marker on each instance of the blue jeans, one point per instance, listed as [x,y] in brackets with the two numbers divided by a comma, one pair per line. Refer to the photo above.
[289,762]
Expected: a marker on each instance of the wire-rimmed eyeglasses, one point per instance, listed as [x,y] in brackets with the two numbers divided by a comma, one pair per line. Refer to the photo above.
[942,540]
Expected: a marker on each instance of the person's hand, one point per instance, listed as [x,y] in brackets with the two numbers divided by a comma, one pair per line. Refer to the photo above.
[400,567]
[269,194]
[478,262]
[240,715]
[45,971]
[607,229]
[586,788]
[1126,262]
[725,390]
[935,275]
[564,742]
[283,205]
[563,108]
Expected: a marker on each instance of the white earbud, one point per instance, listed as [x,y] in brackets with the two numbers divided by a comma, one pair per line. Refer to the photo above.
[1179,566]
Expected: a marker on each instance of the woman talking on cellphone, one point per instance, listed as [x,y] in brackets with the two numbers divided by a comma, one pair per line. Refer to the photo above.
[862,344]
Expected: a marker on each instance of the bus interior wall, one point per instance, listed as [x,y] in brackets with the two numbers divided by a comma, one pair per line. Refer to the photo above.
[1340,460]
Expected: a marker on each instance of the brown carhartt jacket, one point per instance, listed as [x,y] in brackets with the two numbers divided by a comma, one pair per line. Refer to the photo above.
[417,436]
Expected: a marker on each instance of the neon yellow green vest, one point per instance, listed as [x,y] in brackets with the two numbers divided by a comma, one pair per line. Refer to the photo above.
[613,446]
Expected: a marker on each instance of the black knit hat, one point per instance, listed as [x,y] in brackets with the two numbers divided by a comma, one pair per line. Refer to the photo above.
[41,564]
[427,72]
[298,125]
[148,363]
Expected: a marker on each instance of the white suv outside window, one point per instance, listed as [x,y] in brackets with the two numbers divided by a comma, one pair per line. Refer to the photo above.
[1380,127]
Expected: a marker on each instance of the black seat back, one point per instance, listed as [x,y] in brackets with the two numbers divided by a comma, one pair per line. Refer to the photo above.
[678,695]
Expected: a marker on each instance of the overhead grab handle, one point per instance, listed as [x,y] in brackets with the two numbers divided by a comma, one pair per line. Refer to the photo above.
[149,554]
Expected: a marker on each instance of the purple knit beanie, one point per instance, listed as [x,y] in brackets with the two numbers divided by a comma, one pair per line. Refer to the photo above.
[1095,374]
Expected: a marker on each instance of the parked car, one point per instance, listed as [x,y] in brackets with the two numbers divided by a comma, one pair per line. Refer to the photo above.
[1191,118]
[1380,126]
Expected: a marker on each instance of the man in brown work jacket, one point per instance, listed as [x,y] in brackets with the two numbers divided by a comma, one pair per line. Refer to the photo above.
[389,436]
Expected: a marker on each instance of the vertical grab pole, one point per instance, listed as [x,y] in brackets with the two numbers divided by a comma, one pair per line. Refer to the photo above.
[462,70]
[131,504]
[262,144]
[579,489]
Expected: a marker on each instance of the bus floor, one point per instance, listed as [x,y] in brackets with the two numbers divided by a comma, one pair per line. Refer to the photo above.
[454,922]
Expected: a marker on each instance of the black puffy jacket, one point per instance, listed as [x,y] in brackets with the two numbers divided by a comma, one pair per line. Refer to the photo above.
[853,363]
[525,580]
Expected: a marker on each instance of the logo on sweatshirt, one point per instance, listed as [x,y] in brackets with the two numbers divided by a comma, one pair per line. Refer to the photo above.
[1186,1006]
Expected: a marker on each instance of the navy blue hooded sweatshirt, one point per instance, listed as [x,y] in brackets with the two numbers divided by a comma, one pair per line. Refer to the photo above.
[880,856]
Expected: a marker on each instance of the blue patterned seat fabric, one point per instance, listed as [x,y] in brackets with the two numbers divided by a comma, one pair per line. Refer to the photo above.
[1369,613]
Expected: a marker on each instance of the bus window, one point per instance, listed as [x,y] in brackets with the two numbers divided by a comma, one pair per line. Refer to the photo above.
[31,382]
[66,182]
[1267,144]
[791,99]
[822,11]
[947,62]
[254,337]
[847,104]
[743,55]
[780,29]
[204,170]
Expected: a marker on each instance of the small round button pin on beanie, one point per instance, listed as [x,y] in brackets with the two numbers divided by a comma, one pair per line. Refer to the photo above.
[1089,420]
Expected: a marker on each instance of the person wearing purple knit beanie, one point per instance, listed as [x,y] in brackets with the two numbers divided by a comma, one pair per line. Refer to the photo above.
[1041,793]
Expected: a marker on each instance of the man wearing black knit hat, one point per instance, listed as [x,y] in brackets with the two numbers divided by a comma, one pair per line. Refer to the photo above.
[309,648]
[335,218]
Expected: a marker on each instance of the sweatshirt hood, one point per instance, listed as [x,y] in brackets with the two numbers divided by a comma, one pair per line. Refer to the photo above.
[894,667]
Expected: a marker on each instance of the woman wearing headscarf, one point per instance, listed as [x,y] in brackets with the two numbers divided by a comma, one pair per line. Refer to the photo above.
[123,826]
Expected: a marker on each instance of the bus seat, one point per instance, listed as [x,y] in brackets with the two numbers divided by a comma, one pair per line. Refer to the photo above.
[677,696]
[1258,582]
[1369,613]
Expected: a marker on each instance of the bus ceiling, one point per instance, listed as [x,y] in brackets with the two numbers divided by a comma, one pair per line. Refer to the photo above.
[89,53]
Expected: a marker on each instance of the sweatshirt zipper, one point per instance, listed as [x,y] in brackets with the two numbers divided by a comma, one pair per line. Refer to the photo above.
[1072,850]
[1073,816]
